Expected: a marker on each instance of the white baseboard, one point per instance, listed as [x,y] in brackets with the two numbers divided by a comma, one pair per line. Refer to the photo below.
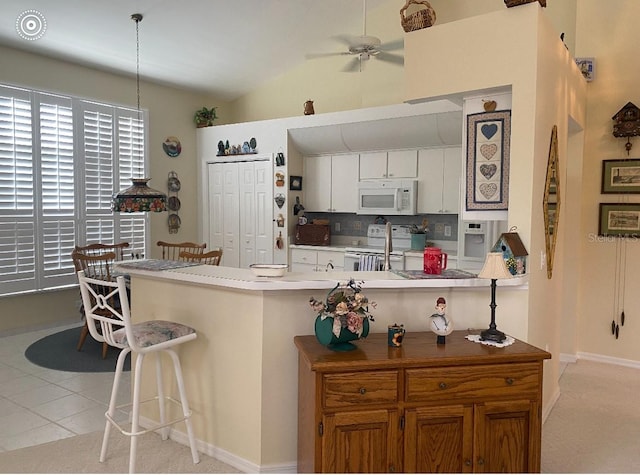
[608,359]
[547,410]
[223,455]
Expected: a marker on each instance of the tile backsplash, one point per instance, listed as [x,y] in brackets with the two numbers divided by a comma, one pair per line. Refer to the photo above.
[442,227]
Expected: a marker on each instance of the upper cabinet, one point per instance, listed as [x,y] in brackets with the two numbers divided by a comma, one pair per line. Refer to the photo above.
[392,164]
[329,184]
[439,174]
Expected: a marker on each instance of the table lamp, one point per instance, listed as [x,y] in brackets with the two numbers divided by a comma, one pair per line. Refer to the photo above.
[494,268]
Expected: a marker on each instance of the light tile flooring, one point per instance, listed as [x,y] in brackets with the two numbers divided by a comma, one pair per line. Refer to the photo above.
[39,405]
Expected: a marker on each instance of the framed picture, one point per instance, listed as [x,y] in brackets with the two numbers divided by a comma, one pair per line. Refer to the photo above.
[621,176]
[488,147]
[295,183]
[587,68]
[619,219]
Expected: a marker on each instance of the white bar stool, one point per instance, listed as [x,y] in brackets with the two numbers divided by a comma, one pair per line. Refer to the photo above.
[106,304]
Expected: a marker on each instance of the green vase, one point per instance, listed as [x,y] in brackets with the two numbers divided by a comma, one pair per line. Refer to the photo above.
[325,336]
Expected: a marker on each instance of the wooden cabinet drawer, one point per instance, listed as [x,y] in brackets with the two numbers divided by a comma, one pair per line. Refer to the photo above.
[368,387]
[456,384]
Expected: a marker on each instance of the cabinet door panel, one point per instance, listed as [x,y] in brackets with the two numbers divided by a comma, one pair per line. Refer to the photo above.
[402,164]
[361,442]
[373,165]
[344,189]
[439,440]
[504,434]
[451,182]
[430,180]
[317,183]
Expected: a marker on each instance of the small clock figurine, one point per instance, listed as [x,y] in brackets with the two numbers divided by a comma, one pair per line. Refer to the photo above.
[440,324]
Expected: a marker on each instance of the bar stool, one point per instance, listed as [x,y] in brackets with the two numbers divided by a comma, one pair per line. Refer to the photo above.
[106,305]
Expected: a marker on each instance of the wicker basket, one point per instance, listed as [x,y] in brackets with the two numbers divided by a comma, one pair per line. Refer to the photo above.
[515,3]
[419,19]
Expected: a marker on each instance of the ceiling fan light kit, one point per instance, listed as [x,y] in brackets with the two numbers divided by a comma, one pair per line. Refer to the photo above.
[364,47]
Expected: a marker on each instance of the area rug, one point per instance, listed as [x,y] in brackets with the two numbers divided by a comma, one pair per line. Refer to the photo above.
[58,351]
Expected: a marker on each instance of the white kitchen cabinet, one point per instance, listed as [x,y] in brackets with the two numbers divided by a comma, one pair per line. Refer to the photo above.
[241,216]
[439,174]
[330,183]
[310,260]
[392,164]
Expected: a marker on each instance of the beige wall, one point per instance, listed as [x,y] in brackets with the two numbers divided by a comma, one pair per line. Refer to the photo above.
[608,32]
[170,113]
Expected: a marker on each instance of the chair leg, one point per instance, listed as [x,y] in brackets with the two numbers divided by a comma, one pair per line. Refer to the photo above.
[164,432]
[135,417]
[113,401]
[83,336]
[105,349]
[185,404]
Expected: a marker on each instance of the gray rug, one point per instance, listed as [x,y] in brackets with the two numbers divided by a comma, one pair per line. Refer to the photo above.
[58,351]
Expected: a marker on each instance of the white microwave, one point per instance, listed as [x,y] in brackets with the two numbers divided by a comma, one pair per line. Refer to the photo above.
[390,197]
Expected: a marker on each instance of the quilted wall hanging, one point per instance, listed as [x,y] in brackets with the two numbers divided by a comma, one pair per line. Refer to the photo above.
[488,145]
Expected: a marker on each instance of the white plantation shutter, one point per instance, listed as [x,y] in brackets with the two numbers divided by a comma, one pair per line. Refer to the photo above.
[61,160]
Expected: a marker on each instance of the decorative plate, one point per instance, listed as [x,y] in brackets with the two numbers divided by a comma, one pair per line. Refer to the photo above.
[172,146]
[174,221]
[174,184]
[174,203]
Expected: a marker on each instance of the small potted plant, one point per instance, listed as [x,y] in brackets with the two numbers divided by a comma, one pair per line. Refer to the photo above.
[204,117]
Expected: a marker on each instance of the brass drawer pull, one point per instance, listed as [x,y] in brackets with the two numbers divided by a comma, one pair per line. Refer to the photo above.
[480,461]
[363,390]
[509,381]
[443,385]
[467,462]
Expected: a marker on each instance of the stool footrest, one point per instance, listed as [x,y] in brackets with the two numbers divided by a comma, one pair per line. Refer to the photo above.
[154,427]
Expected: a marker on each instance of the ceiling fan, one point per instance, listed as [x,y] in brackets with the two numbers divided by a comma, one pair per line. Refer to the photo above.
[364,47]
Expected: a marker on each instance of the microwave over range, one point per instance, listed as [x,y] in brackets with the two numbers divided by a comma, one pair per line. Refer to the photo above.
[387,197]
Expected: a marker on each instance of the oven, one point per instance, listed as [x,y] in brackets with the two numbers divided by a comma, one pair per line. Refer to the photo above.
[371,256]
[371,259]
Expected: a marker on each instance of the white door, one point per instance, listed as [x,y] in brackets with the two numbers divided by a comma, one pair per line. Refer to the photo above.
[317,183]
[452,171]
[263,186]
[344,188]
[402,164]
[216,206]
[373,165]
[247,242]
[231,213]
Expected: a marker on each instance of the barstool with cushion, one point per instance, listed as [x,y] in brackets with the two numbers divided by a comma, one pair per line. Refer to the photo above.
[99,298]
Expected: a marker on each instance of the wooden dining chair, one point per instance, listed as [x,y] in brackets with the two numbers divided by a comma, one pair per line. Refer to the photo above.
[171,250]
[97,266]
[97,249]
[211,258]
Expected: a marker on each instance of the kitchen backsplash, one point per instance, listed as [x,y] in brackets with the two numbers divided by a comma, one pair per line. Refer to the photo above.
[442,227]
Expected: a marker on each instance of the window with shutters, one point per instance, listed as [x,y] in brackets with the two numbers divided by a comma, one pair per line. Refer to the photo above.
[61,160]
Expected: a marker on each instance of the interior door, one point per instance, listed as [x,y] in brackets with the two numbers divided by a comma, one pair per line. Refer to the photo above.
[216,206]
[231,215]
[263,186]
[247,242]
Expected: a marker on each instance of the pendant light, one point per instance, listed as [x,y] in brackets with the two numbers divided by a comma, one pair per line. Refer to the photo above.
[138,197]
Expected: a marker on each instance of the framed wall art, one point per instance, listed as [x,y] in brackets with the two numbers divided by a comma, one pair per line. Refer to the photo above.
[621,176]
[619,219]
[295,183]
[587,68]
[488,146]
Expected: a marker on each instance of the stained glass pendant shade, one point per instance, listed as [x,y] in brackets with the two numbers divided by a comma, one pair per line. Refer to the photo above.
[138,197]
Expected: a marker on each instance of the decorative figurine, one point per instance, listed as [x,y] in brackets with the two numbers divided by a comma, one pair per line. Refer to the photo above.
[440,324]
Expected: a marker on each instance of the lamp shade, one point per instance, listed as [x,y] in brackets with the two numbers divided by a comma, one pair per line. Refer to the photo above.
[139,197]
[494,267]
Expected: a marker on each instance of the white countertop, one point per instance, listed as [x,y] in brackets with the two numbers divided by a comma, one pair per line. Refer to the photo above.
[244,279]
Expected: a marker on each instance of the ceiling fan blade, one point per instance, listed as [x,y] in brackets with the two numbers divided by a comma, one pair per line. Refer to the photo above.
[392,45]
[390,58]
[353,66]
[323,55]
[348,40]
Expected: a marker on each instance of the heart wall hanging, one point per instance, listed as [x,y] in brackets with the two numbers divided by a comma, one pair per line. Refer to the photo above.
[487,167]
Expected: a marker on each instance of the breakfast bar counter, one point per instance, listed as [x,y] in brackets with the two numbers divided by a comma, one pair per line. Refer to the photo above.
[241,372]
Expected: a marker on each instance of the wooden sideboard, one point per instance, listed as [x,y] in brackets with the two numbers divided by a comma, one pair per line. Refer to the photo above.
[458,407]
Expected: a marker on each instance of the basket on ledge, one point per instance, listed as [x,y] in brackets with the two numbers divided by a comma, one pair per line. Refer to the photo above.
[420,19]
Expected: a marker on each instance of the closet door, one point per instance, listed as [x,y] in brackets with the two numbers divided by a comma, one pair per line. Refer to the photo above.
[231,215]
[247,242]
[263,193]
[216,206]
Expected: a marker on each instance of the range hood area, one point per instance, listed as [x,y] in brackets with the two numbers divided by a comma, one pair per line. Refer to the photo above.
[418,131]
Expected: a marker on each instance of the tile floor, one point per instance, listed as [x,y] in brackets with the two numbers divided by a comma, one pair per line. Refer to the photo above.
[39,405]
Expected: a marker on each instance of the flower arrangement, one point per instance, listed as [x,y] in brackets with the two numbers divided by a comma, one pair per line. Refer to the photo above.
[348,307]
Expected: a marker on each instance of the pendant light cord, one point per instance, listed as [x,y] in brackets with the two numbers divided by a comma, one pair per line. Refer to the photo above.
[137,17]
